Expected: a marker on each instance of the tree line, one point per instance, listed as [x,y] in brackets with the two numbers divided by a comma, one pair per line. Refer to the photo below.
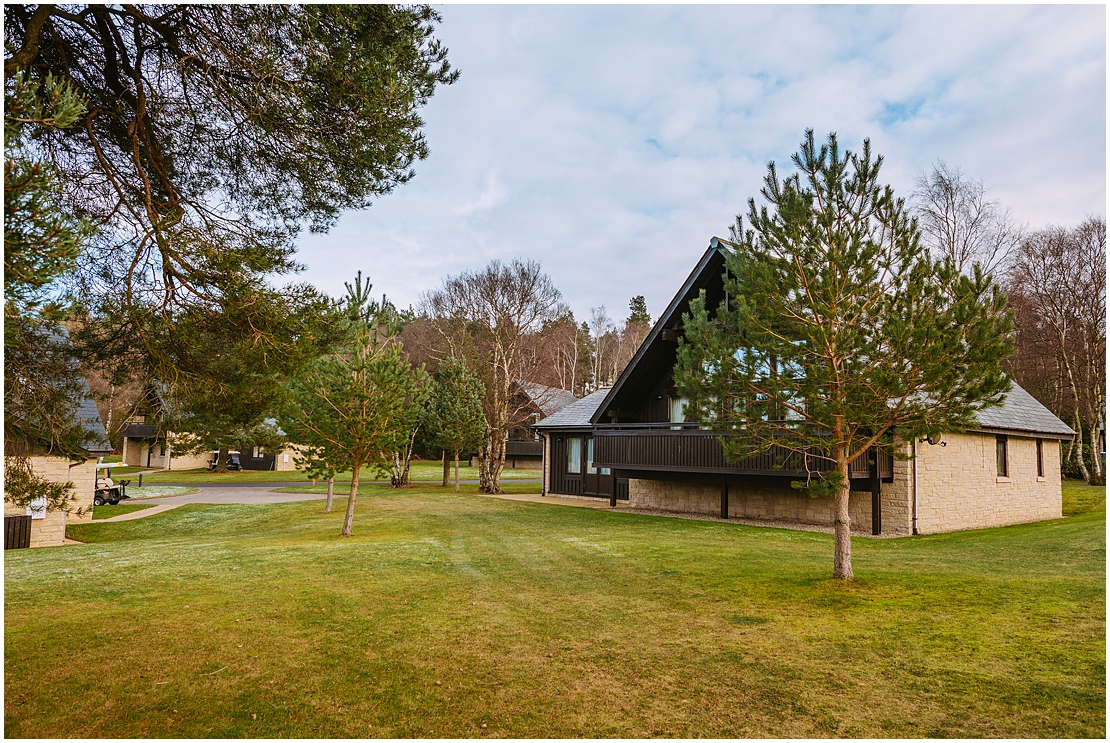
[1055,281]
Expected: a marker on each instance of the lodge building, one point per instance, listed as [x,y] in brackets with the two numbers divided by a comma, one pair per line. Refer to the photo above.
[631,443]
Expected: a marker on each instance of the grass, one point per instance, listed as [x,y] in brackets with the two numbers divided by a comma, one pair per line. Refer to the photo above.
[107,512]
[421,471]
[1079,497]
[462,616]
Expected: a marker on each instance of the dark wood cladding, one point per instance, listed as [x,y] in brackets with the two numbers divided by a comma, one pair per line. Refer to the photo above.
[523,448]
[700,451]
[17,532]
[561,481]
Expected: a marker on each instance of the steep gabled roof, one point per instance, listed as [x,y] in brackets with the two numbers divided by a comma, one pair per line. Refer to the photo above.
[549,400]
[710,263]
[1021,412]
[578,414]
[96,443]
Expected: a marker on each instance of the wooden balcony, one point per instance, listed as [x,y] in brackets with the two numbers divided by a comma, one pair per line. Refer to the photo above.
[689,449]
[523,448]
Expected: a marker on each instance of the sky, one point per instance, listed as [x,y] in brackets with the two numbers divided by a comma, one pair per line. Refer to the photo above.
[610,143]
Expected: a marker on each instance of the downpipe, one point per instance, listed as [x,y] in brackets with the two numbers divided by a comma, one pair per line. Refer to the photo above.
[915,485]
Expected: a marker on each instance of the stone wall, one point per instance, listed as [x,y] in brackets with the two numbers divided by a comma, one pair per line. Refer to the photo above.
[756,498]
[50,531]
[959,486]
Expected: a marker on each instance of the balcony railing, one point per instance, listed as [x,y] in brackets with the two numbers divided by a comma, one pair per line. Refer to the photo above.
[523,448]
[687,448]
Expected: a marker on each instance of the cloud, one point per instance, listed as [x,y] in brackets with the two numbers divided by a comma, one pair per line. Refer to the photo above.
[612,142]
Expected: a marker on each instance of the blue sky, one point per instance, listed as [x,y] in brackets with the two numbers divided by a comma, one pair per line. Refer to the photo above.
[612,142]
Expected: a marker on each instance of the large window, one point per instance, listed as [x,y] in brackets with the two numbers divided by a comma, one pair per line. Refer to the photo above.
[678,409]
[1000,455]
[590,469]
[574,456]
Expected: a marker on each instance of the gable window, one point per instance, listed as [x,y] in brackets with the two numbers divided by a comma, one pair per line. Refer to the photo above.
[574,456]
[1040,458]
[678,409]
[1000,456]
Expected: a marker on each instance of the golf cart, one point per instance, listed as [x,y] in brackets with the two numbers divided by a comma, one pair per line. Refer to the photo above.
[233,464]
[107,490]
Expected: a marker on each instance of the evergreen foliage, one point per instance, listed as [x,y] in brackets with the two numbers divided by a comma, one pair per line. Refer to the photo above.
[211,134]
[357,405]
[454,413]
[638,312]
[43,387]
[838,329]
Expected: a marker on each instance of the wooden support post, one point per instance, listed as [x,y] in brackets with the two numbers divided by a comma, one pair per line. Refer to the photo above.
[612,488]
[724,499]
[876,494]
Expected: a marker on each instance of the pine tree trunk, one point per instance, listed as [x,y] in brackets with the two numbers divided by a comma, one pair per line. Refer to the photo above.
[331,490]
[446,469]
[221,460]
[349,519]
[842,526]
[456,470]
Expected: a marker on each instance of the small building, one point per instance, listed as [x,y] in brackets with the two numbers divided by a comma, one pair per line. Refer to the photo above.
[147,443]
[531,402]
[632,443]
[48,527]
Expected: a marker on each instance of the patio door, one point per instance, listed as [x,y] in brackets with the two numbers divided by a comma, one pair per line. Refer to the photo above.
[597,480]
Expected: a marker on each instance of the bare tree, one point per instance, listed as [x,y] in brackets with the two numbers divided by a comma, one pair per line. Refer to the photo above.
[117,398]
[1057,288]
[603,335]
[958,220]
[494,316]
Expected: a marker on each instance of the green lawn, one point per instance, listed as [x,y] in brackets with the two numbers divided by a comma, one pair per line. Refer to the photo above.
[419,471]
[1079,497]
[463,616]
[107,512]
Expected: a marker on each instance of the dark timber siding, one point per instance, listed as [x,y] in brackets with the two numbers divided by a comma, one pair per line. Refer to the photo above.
[700,451]
[561,481]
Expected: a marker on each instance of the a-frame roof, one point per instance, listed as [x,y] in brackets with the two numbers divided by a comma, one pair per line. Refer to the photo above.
[706,275]
[1020,413]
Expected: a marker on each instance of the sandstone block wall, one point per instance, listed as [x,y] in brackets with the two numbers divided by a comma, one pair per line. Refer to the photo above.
[51,530]
[757,500]
[959,488]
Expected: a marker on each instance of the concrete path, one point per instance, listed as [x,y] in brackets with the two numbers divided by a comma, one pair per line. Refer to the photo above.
[258,493]
[161,508]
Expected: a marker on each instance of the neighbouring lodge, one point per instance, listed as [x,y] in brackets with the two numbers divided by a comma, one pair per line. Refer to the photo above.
[48,527]
[632,443]
[147,443]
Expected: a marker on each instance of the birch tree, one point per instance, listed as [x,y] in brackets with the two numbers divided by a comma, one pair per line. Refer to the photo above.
[494,317]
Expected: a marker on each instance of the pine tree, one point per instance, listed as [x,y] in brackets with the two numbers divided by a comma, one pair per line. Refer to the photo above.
[838,330]
[638,312]
[454,413]
[354,407]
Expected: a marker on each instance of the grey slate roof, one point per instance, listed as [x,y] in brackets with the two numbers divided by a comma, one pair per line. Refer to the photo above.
[577,414]
[549,400]
[1022,412]
[97,442]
